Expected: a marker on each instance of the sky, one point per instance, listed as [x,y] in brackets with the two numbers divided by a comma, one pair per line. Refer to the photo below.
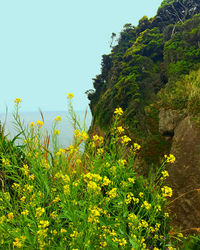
[49,48]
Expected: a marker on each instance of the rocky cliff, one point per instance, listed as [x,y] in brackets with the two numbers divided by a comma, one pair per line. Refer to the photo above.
[153,75]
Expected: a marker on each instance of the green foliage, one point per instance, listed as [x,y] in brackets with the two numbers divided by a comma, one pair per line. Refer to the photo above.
[184,94]
[166,3]
[69,199]
[147,58]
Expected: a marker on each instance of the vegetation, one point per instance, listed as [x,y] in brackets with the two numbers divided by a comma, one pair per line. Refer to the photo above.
[70,199]
[148,59]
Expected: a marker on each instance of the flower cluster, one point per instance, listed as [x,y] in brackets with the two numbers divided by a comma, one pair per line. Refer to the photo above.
[170,159]
[17,101]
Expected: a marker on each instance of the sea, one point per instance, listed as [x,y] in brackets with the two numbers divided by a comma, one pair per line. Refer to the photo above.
[65,126]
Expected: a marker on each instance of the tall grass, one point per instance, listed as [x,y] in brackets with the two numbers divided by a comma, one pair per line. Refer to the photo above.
[67,198]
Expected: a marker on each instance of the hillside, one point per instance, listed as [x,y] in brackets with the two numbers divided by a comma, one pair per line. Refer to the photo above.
[153,75]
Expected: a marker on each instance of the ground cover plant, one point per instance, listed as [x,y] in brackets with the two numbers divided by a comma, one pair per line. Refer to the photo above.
[70,198]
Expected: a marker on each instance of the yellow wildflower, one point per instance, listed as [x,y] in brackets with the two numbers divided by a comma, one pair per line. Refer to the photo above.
[92,186]
[166,215]
[17,101]
[39,211]
[62,230]
[131,180]
[17,243]
[125,139]
[39,123]
[32,124]
[170,159]
[5,162]
[106,181]
[100,151]
[165,174]
[136,147]
[70,95]
[78,161]
[10,216]
[167,191]
[141,194]
[58,118]
[118,111]
[95,137]
[84,135]
[77,133]
[43,223]
[56,132]
[53,215]
[31,177]
[120,129]
[23,198]
[146,205]
[57,199]
[25,212]
[122,162]
[112,193]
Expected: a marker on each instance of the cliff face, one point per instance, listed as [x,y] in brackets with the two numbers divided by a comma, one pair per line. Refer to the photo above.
[153,75]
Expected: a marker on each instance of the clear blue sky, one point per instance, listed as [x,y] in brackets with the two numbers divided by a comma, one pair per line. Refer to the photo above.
[49,48]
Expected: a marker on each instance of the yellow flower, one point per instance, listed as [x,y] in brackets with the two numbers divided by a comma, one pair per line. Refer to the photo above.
[166,215]
[39,123]
[23,198]
[141,194]
[56,132]
[70,95]
[10,216]
[5,162]
[131,180]
[146,205]
[25,212]
[167,191]
[62,230]
[118,111]
[100,151]
[84,135]
[77,133]
[106,181]
[171,158]
[27,140]
[125,139]
[39,211]
[165,174]
[92,186]
[53,215]
[58,118]
[17,243]
[32,124]
[95,138]
[43,223]
[136,147]
[78,161]
[120,129]
[17,101]
[122,162]
[31,177]
[112,193]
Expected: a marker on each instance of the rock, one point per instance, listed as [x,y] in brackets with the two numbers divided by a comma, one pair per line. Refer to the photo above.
[185,172]
[168,121]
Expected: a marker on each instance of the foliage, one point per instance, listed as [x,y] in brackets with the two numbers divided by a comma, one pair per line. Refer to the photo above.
[146,58]
[183,95]
[70,199]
